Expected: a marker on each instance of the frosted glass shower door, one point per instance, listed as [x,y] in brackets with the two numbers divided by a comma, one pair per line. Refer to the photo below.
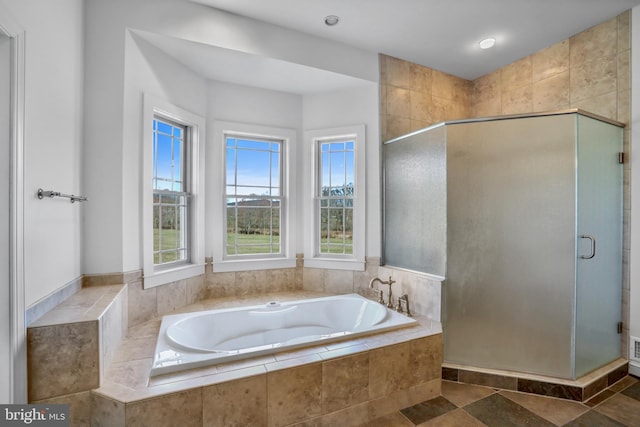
[599,270]
[510,281]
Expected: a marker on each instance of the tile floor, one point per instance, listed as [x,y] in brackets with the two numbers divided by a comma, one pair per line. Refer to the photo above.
[465,405]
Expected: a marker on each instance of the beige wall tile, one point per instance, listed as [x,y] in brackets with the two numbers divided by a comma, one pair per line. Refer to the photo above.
[624,70]
[421,78]
[397,72]
[487,88]
[443,85]
[516,74]
[361,279]
[593,78]
[171,296]
[178,409]
[79,407]
[420,106]
[624,31]
[518,100]
[550,61]
[345,382]
[142,303]
[604,105]
[396,126]
[279,280]
[419,124]
[131,373]
[595,43]
[113,324]
[357,415]
[338,281]
[294,394]
[389,369]
[236,403]
[488,108]
[219,285]
[106,412]
[91,280]
[551,93]
[441,109]
[62,359]
[250,282]
[314,279]
[196,289]
[624,106]
[398,101]
[426,359]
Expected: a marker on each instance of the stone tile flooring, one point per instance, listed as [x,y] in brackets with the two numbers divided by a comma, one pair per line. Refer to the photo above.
[465,405]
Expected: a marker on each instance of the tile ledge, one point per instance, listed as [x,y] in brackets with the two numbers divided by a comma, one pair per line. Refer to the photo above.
[72,310]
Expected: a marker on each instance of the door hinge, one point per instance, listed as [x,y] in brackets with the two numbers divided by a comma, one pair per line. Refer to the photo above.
[619,327]
[621,157]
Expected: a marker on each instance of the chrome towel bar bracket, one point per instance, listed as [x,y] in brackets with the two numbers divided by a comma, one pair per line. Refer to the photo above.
[51,194]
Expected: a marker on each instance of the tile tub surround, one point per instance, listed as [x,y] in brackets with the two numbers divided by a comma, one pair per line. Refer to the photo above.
[580,390]
[80,335]
[343,383]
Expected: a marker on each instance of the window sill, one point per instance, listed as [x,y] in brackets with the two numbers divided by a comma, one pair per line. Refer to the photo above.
[254,264]
[162,277]
[335,264]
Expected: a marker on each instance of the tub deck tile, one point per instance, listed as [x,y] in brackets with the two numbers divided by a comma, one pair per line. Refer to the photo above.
[116,387]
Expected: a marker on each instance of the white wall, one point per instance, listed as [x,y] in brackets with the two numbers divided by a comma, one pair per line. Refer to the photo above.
[235,103]
[148,70]
[53,141]
[344,108]
[5,159]
[634,279]
[114,78]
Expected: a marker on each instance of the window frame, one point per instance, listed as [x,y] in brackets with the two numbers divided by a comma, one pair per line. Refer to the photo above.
[312,256]
[156,275]
[280,198]
[217,180]
[185,165]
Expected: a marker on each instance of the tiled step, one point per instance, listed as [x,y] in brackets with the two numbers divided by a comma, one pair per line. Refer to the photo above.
[69,348]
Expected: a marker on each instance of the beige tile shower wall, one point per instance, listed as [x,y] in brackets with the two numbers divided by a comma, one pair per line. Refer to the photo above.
[413,97]
[590,70]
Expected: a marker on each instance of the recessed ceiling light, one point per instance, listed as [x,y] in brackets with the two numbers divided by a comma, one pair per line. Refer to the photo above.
[487,43]
[331,20]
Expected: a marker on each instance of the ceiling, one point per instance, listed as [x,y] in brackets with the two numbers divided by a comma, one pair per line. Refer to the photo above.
[440,34]
[247,69]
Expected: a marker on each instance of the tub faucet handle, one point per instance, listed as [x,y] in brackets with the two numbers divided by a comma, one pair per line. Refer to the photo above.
[404,298]
[380,293]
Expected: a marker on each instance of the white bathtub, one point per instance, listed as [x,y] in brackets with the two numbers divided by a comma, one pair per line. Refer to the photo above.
[206,338]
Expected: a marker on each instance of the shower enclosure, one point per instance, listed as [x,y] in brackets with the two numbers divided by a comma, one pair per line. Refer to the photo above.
[522,218]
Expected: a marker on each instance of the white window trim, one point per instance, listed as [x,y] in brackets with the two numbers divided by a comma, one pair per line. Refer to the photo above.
[312,258]
[217,192]
[156,276]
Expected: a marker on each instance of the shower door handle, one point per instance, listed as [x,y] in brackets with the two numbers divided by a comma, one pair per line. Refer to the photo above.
[593,246]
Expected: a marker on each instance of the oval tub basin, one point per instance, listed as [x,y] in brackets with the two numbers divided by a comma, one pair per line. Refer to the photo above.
[191,340]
